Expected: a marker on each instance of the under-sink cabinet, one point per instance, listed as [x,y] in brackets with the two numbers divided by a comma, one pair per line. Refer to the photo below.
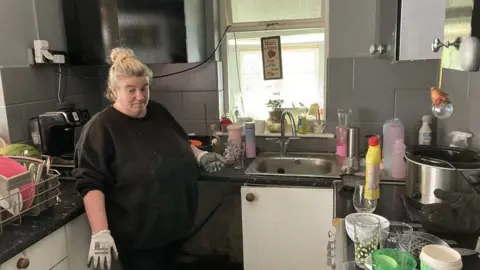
[286,227]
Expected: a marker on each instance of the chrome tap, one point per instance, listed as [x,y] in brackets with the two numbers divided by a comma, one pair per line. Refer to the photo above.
[284,141]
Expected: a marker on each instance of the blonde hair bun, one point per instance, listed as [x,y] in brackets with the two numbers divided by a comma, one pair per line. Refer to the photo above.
[119,54]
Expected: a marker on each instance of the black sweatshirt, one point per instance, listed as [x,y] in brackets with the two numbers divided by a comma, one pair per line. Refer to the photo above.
[147,171]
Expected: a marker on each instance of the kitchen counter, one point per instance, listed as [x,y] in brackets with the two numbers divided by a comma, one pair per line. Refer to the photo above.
[16,238]
[391,206]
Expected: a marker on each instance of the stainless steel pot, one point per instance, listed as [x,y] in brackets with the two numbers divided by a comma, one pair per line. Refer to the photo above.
[431,167]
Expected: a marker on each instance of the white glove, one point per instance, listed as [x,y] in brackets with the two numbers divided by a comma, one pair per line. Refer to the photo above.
[101,247]
[211,162]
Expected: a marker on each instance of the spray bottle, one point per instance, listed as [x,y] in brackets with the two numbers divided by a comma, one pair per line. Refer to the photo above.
[425,132]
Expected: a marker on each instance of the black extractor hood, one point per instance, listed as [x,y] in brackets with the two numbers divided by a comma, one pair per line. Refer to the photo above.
[159,31]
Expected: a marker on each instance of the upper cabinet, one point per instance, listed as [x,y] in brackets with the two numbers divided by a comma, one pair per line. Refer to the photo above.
[398,30]
[168,31]
[405,29]
[460,46]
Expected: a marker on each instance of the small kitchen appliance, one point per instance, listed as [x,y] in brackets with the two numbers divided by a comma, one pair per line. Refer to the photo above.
[53,133]
[440,167]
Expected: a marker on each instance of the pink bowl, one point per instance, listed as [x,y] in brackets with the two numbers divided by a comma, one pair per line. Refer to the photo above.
[10,168]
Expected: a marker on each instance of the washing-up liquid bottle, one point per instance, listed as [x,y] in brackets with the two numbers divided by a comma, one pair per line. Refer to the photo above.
[425,132]
[372,173]
[398,164]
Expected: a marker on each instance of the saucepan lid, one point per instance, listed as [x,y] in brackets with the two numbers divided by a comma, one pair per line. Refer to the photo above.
[444,156]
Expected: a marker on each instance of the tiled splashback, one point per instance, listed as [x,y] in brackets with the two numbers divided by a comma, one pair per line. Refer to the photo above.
[377,90]
[28,91]
[191,97]
[464,91]
[188,94]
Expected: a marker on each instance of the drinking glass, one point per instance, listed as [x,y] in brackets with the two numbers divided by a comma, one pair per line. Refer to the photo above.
[396,233]
[361,204]
[238,155]
[366,230]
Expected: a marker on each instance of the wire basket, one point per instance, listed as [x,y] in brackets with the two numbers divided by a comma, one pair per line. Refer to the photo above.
[40,178]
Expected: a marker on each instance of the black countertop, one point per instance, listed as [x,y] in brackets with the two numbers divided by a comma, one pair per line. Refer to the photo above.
[392,207]
[16,238]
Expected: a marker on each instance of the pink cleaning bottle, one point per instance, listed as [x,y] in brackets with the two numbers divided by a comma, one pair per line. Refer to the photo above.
[393,131]
[341,134]
[398,164]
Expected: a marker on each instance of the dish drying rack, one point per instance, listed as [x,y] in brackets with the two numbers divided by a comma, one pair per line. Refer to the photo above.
[46,184]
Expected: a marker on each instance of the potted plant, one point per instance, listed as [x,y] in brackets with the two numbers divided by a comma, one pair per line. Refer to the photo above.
[273,122]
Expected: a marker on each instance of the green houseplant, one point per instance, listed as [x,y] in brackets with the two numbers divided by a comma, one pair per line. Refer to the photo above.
[275,113]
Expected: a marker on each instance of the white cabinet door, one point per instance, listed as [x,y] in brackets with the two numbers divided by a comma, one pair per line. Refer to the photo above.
[63,265]
[12,263]
[48,252]
[78,242]
[286,228]
[78,234]
[44,254]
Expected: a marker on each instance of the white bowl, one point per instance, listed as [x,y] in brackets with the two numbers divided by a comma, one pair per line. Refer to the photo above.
[350,220]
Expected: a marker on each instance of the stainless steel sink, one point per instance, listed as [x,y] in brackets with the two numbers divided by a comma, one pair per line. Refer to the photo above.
[295,164]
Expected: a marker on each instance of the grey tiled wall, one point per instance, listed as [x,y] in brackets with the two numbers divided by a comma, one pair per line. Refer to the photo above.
[192,97]
[29,91]
[464,91]
[378,90]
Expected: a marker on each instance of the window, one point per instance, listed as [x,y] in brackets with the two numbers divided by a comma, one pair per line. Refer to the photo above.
[299,23]
[247,11]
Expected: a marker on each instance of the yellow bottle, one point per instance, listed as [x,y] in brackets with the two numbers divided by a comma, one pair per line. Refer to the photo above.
[372,172]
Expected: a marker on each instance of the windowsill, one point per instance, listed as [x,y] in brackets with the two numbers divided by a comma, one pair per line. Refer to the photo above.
[287,134]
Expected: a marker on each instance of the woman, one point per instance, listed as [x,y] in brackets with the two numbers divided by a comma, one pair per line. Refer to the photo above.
[137,171]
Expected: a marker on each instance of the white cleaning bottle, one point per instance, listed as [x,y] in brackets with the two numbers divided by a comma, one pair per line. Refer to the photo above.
[425,132]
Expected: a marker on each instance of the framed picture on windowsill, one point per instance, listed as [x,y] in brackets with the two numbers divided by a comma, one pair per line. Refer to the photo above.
[272,58]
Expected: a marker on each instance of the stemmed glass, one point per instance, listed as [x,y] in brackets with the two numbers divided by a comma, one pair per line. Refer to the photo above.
[361,204]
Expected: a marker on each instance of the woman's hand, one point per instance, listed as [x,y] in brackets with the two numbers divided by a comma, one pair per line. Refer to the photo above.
[211,162]
[458,213]
[102,247]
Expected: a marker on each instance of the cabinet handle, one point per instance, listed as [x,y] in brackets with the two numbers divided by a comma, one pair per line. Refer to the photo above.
[23,263]
[250,197]
[379,49]
[437,44]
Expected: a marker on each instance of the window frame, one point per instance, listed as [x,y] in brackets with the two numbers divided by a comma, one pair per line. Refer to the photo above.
[225,20]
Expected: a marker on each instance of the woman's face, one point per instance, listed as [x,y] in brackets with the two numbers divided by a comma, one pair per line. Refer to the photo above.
[131,95]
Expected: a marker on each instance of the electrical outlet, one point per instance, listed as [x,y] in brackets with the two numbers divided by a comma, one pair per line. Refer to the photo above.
[59,58]
[39,46]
